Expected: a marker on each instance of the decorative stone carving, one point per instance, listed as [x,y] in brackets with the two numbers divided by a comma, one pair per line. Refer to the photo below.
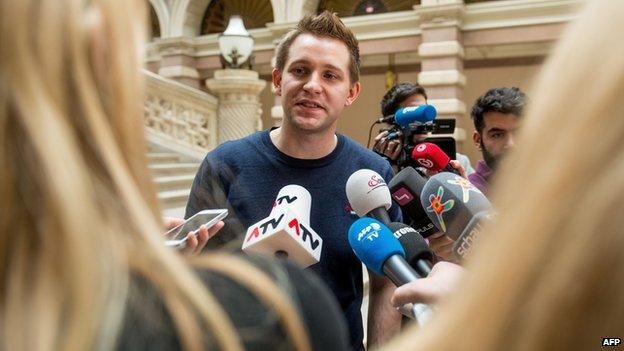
[183,118]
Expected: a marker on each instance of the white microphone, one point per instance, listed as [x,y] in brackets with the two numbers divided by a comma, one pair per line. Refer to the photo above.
[286,232]
[369,195]
[297,196]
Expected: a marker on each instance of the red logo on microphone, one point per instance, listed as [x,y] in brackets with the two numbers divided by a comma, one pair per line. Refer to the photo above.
[375,181]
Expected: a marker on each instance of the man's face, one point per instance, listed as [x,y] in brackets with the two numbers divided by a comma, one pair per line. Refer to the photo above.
[315,85]
[497,136]
[415,100]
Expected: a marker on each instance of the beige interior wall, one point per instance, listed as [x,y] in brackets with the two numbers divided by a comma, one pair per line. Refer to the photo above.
[356,119]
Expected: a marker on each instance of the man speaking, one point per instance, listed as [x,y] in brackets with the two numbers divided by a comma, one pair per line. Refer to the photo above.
[317,76]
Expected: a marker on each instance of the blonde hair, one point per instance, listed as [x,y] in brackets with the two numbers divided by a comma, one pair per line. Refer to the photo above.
[79,212]
[550,275]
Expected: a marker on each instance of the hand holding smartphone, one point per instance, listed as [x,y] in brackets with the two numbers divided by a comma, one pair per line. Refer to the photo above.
[177,236]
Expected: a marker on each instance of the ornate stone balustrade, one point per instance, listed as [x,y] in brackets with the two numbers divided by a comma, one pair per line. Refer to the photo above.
[180,118]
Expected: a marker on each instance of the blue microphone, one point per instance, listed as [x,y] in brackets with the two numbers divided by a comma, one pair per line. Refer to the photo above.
[408,115]
[375,245]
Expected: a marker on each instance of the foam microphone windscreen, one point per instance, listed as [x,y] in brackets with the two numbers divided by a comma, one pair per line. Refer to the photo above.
[297,199]
[415,114]
[430,156]
[405,188]
[451,202]
[415,246]
[366,190]
[373,243]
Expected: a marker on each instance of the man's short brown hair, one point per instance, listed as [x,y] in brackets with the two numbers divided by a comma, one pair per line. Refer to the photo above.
[326,24]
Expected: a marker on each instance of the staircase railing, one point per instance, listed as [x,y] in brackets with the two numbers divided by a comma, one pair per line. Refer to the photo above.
[178,117]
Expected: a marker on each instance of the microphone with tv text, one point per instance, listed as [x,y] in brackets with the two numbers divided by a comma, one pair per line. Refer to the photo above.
[374,245]
[457,208]
[431,157]
[405,188]
[417,252]
[405,116]
[368,195]
[286,232]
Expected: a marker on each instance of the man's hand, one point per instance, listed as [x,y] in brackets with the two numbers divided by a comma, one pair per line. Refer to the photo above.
[462,172]
[455,164]
[441,282]
[388,148]
[442,246]
[194,243]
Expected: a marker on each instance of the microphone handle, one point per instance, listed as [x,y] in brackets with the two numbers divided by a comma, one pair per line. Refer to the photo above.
[419,312]
[281,254]
[422,313]
[398,271]
[423,267]
[381,215]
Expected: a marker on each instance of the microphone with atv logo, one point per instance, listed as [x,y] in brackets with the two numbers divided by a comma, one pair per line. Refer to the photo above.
[286,232]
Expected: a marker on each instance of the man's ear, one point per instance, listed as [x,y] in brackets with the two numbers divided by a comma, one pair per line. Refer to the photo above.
[277,81]
[354,92]
[476,137]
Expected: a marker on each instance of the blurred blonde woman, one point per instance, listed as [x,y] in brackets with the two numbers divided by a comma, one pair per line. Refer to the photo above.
[550,275]
[83,266]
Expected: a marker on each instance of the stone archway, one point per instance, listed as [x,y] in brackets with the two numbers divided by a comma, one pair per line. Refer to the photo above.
[347,8]
[285,11]
[255,14]
[186,16]
[162,14]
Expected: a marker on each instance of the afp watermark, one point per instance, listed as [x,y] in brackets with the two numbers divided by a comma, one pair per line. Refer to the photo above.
[611,341]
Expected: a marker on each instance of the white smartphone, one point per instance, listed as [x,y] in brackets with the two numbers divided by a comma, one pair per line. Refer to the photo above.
[177,236]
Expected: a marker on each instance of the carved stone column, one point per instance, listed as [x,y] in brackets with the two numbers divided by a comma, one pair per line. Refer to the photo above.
[442,56]
[239,111]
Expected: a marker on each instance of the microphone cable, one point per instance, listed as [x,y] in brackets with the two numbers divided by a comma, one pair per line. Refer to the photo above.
[370,133]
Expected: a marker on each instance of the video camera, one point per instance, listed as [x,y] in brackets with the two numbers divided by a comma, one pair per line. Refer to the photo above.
[408,134]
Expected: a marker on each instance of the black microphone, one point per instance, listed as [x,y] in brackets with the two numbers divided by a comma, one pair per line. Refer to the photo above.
[457,208]
[405,188]
[368,195]
[417,252]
